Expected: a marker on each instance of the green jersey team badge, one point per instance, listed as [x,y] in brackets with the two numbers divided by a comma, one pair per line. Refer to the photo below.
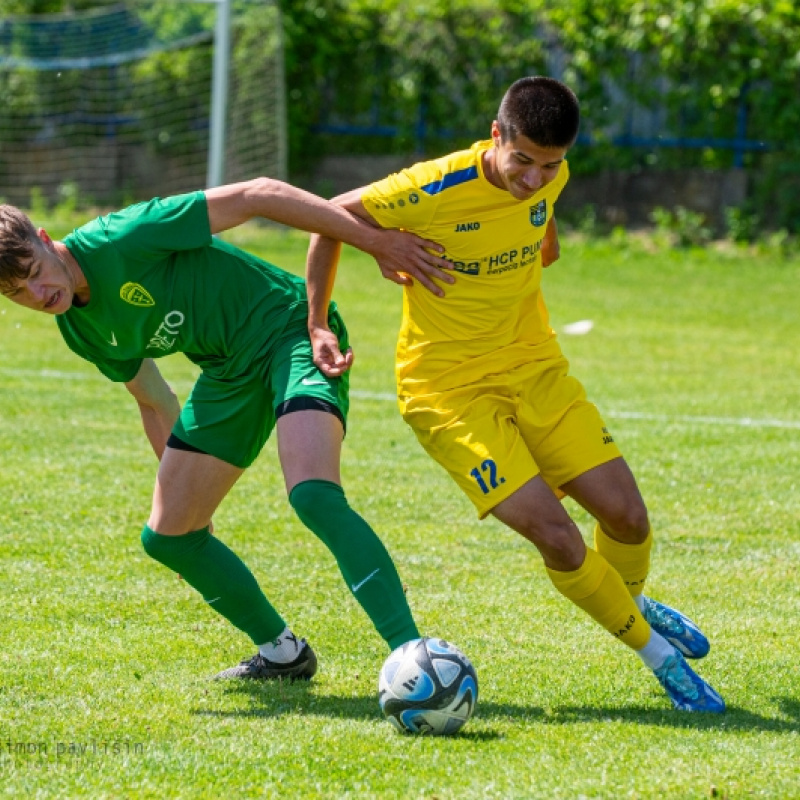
[136,295]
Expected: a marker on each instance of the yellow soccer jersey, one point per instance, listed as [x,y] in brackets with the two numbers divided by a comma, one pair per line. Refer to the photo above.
[494,317]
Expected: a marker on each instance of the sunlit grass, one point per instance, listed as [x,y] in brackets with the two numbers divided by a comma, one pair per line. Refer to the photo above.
[106,656]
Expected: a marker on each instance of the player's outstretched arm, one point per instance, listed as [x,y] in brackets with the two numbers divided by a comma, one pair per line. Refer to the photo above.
[321,264]
[158,404]
[401,263]
[231,205]
[551,248]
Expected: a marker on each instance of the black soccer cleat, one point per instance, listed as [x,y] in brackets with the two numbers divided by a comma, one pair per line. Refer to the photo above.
[262,669]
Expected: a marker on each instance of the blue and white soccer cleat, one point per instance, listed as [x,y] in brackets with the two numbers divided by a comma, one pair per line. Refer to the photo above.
[687,690]
[677,629]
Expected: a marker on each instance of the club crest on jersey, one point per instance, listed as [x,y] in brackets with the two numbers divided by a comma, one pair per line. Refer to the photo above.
[136,295]
[539,214]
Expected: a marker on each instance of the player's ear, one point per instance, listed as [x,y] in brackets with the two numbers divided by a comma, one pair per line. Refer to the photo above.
[496,133]
[44,237]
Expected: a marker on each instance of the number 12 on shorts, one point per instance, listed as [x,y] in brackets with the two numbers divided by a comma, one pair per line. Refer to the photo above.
[487,472]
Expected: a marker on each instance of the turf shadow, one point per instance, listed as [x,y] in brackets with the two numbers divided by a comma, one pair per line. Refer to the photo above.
[735,718]
[277,699]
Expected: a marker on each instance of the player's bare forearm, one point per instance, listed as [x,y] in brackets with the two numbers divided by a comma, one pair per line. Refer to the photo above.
[158,404]
[321,264]
[157,428]
[234,204]
[551,248]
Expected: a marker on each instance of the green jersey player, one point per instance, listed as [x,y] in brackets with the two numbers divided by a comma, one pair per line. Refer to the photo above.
[151,280]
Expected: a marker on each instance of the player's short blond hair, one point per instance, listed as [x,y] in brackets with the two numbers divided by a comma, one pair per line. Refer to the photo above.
[19,242]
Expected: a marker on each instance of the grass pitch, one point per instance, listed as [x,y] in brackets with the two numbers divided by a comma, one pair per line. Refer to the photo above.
[106,656]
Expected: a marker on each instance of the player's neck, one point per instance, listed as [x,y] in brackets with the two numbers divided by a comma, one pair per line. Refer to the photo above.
[490,168]
[82,291]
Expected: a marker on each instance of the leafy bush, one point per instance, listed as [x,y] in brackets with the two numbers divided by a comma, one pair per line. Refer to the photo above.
[741,225]
[427,76]
[681,227]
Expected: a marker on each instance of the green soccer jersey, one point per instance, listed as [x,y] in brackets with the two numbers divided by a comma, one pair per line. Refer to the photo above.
[160,284]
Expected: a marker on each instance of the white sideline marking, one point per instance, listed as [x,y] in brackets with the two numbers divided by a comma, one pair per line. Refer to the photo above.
[747,422]
[741,422]
[48,373]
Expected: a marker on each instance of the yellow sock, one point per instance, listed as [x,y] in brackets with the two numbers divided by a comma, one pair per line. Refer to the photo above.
[597,588]
[632,561]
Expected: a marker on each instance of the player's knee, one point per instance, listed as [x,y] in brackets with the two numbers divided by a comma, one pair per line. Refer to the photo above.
[301,499]
[630,524]
[314,500]
[168,550]
[176,520]
[560,544]
[152,543]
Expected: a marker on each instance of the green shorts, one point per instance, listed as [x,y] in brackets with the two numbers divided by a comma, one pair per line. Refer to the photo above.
[232,418]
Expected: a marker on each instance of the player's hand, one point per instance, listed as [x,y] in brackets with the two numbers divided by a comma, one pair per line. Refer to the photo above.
[328,358]
[405,257]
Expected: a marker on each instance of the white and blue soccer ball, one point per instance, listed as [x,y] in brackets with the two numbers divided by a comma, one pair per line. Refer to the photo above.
[428,686]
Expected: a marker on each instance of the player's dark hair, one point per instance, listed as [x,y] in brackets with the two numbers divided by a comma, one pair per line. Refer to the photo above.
[18,244]
[542,109]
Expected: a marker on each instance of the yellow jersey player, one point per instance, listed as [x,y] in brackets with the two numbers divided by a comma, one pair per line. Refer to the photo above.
[482,381]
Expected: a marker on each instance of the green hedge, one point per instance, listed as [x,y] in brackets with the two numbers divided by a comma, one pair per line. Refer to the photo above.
[706,65]
[700,61]
[715,70]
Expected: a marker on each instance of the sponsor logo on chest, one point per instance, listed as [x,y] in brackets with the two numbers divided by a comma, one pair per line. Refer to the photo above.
[166,334]
[498,263]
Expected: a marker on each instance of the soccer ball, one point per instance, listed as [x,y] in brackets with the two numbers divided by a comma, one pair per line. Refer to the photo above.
[427,686]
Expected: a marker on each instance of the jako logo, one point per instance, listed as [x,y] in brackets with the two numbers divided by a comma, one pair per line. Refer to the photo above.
[463,227]
[136,295]
[167,333]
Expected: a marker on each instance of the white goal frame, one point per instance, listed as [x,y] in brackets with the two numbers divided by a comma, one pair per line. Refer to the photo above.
[252,101]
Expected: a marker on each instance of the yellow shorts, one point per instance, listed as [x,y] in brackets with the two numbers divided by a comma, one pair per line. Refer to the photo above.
[493,436]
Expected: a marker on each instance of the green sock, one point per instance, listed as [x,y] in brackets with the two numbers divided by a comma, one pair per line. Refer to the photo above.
[363,560]
[221,577]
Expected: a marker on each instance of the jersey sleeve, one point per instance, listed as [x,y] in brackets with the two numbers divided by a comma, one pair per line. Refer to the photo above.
[401,201]
[161,226]
[117,370]
[114,370]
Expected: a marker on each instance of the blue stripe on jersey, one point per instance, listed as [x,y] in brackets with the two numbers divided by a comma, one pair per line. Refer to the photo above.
[451,179]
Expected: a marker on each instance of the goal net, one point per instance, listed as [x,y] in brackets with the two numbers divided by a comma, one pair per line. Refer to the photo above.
[114,105]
